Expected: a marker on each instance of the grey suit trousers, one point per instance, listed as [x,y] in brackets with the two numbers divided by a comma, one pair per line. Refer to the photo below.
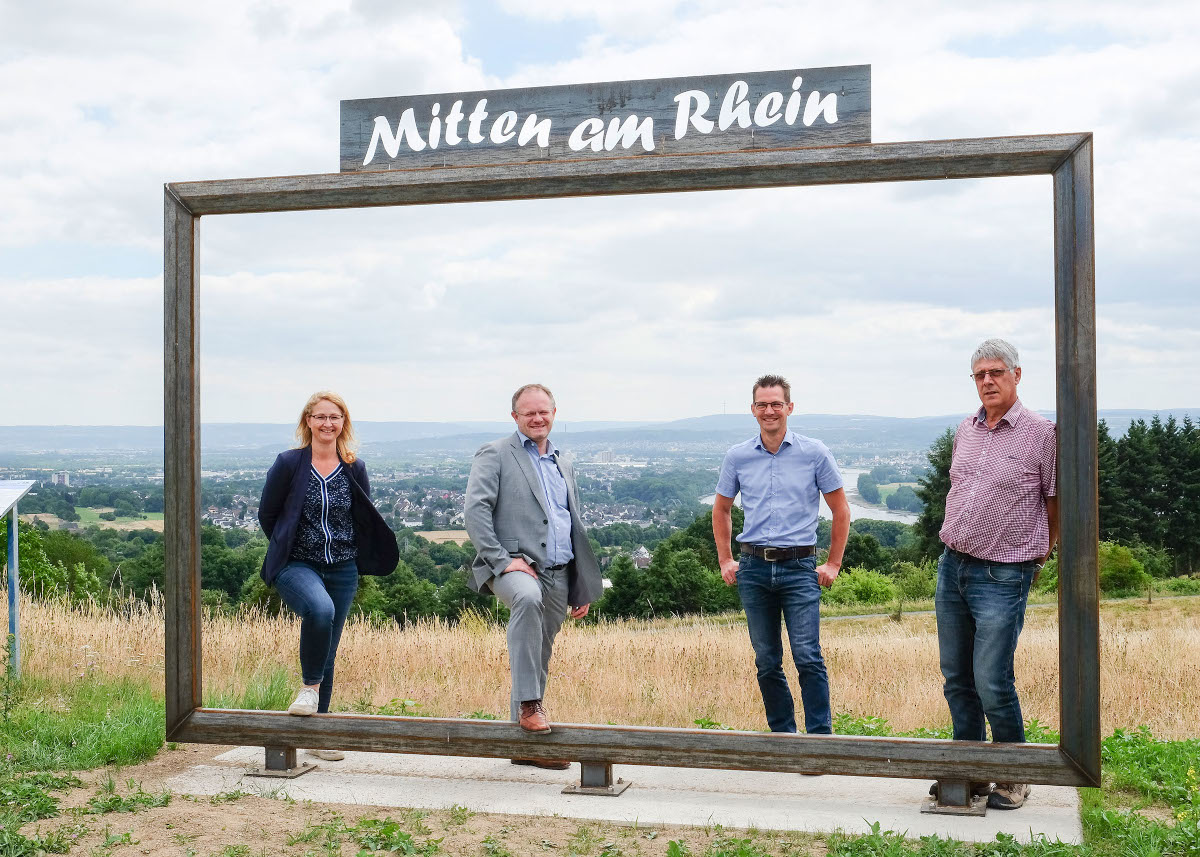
[537,610]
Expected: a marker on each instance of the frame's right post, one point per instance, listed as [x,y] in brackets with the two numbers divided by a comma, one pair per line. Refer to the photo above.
[1079,515]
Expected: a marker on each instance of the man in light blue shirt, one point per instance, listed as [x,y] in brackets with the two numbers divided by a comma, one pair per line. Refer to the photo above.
[782,476]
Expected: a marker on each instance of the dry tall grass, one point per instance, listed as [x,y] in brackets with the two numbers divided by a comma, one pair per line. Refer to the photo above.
[662,673]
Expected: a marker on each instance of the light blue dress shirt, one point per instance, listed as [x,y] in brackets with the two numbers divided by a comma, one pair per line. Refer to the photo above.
[554,487]
[781,491]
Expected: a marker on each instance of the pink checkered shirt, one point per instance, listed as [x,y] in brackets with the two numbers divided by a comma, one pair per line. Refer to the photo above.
[999,481]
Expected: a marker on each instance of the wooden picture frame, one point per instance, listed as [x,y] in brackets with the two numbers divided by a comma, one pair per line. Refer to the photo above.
[1066,157]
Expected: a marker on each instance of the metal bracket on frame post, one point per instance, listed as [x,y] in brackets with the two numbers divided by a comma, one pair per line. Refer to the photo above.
[596,778]
[954,798]
[281,762]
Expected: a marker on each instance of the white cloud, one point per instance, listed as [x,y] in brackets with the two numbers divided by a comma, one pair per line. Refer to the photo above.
[870,296]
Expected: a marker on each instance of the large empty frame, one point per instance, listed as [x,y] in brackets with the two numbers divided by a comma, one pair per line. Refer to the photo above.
[1067,157]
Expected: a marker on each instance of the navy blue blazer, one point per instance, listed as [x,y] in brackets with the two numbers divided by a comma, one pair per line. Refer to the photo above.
[283,500]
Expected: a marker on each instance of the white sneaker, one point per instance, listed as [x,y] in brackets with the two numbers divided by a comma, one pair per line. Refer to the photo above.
[328,755]
[305,704]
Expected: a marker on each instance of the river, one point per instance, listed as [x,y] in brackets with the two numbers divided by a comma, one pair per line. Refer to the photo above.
[857,509]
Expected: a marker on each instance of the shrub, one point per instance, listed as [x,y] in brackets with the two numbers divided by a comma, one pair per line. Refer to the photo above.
[861,586]
[915,582]
[1180,585]
[1156,561]
[1048,579]
[1120,572]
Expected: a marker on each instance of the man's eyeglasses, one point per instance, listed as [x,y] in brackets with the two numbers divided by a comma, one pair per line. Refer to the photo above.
[322,418]
[528,414]
[988,373]
[773,406]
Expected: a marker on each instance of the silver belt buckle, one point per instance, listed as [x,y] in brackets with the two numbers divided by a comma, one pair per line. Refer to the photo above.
[769,554]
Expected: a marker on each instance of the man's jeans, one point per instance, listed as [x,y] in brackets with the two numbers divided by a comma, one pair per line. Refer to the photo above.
[320,595]
[769,591]
[980,613]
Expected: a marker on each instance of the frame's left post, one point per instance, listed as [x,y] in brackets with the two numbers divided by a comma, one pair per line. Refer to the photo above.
[13,640]
[181,470]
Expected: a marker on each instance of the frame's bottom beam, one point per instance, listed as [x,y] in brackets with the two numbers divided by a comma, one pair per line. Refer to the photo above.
[642,745]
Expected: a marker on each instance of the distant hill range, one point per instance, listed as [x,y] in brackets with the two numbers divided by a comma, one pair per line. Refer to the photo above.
[846,434]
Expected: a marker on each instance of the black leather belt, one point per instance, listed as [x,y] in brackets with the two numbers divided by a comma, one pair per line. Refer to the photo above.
[771,554]
[966,557]
[556,567]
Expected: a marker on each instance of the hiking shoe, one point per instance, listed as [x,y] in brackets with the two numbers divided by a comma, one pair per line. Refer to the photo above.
[305,703]
[1008,796]
[328,755]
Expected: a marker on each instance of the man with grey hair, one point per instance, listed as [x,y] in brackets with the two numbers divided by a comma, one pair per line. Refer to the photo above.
[1001,525]
[522,514]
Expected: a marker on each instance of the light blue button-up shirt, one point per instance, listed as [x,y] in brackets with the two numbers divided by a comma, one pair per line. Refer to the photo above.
[554,487]
[781,491]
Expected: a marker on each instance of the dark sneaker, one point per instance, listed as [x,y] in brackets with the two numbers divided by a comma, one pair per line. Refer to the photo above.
[1008,796]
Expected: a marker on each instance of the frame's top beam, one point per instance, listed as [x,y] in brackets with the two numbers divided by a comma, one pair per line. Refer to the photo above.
[878,162]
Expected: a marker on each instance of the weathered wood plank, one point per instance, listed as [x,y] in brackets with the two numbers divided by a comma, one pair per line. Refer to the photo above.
[1075,339]
[759,110]
[641,745]
[181,484]
[943,159]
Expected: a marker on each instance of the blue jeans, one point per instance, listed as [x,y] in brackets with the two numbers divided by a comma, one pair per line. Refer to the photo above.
[788,590]
[320,595]
[980,612]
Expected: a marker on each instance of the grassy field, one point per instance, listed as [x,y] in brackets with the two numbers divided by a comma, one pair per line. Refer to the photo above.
[91,516]
[889,488]
[440,536]
[665,673]
[147,520]
[93,698]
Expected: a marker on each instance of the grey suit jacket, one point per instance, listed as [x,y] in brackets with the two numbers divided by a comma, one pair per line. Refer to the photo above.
[506,516]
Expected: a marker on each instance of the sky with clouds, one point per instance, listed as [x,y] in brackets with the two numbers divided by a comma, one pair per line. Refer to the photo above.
[870,298]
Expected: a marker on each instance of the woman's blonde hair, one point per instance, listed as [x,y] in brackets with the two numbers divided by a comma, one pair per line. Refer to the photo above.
[346,441]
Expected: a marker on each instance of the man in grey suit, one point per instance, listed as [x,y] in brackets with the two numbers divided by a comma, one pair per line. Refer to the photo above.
[532,549]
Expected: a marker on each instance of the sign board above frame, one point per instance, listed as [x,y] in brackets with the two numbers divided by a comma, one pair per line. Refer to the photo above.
[792,108]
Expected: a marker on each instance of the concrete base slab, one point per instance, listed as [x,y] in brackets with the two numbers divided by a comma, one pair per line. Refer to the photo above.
[684,796]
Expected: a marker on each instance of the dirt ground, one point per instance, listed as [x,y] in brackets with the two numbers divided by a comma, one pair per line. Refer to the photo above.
[247,825]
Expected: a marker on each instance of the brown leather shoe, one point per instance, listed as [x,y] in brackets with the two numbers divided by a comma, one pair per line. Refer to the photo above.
[548,764]
[533,717]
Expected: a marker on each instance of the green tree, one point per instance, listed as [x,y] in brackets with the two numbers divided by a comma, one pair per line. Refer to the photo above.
[39,577]
[868,488]
[905,499]
[932,491]
[625,594]
[864,551]
[402,596]
[455,596]
[68,550]
[1114,521]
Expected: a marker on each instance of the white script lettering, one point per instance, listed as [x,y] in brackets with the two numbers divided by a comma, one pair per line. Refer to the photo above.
[593,127]
[382,133]
[735,106]
[685,114]
[629,132]
[533,128]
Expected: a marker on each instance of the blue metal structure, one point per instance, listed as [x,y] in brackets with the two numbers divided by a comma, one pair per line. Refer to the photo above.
[11,493]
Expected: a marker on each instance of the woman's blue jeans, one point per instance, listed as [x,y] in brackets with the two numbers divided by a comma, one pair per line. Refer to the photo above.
[980,610]
[320,595]
[771,591]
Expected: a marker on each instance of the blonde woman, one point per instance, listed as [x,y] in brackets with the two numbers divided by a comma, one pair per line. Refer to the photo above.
[324,532]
